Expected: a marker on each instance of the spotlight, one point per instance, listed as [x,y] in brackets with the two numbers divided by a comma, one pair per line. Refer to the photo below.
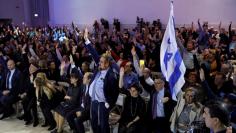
[36,15]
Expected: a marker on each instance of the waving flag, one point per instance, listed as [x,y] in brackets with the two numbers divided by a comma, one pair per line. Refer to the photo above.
[172,65]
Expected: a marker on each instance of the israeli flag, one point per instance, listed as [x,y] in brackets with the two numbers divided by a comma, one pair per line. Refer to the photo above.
[172,65]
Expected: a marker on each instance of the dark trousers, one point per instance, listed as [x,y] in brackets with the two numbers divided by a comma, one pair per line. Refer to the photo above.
[30,104]
[70,119]
[79,126]
[160,125]
[132,129]
[46,110]
[99,117]
[76,123]
[7,102]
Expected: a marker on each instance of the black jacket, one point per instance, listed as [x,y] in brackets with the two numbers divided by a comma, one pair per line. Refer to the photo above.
[168,106]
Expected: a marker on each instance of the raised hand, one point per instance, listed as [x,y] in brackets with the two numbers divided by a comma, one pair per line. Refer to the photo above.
[198,20]
[219,25]
[86,34]
[134,41]
[67,97]
[122,71]
[56,45]
[108,52]
[63,64]
[229,130]
[24,47]
[71,60]
[133,51]
[5,92]
[78,113]
[74,48]
[202,75]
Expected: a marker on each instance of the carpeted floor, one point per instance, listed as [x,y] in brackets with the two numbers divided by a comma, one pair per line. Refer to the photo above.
[13,125]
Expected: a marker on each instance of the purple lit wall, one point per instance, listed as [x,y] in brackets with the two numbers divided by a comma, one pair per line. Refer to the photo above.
[23,11]
[186,11]
[12,9]
[58,12]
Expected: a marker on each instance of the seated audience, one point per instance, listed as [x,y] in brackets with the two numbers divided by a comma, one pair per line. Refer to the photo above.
[70,103]
[187,110]
[9,93]
[77,116]
[119,59]
[44,94]
[133,114]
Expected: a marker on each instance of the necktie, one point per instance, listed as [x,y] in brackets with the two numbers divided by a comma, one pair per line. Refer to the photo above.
[154,105]
[8,78]
[83,95]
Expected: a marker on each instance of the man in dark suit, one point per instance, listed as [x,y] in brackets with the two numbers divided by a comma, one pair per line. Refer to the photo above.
[28,97]
[2,75]
[9,94]
[76,117]
[160,106]
[103,89]
[2,70]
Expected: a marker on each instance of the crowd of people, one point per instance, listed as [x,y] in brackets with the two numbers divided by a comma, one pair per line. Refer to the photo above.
[74,75]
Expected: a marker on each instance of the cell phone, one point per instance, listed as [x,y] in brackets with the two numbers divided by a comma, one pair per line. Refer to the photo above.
[141,63]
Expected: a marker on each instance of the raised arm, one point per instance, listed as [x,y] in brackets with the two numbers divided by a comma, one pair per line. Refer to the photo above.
[114,55]
[192,26]
[201,32]
[121,79]
[32,52]
[180,45]
[25,57]
[199,25]
[219,27]
[230,31]
[90,48]
[113,62]
[58,54]
[205,85]
[135,62]
[3,62]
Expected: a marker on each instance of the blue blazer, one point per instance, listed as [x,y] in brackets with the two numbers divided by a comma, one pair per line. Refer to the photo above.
[111,87]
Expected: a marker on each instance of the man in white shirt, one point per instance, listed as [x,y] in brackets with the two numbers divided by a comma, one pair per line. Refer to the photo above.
[103,89]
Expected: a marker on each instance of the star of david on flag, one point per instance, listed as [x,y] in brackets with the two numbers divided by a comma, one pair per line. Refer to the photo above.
[172,65]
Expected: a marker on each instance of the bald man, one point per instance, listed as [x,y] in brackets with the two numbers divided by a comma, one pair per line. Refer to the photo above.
[9,93]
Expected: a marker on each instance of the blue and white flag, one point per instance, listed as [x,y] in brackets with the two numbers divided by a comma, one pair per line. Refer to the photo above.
[172,65]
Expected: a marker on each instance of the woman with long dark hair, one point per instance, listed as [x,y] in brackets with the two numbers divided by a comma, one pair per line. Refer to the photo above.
[133,113]
[71,102]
